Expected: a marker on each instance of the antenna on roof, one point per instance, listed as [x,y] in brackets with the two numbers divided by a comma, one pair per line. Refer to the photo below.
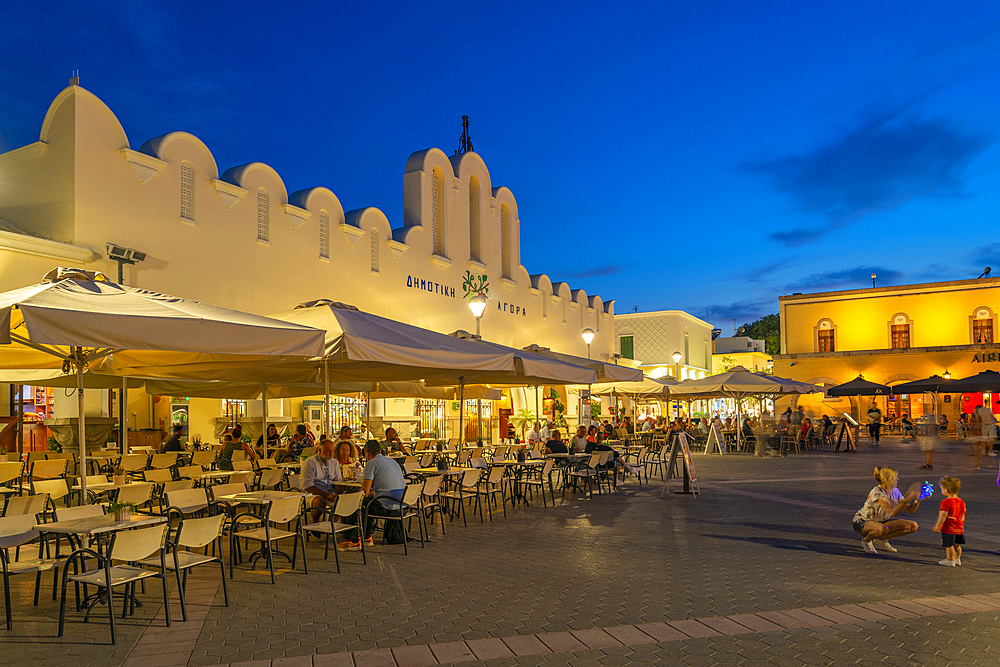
[75,79]
[465,143]
[985,273]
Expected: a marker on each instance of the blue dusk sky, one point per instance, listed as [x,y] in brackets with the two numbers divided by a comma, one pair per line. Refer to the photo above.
[700,156]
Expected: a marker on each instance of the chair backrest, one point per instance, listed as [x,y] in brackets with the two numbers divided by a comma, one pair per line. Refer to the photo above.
[96,479]
[187,471]
[463,457]
[409,467]
[478,463]
[595,460]
[49,469]
[501,452]
[432,485]
[36,456]
[309,451]
[415,460]
[197,533]
[226,489]
[179,485]
[270,478]
[133,462]
[166,460]
[69,457]
[496,474]
[56,488]
[477,452]
[81,512]
[470,477]
[10,470]
[547,466]
[244,477]
[30,505]
[411,496]
[426,460]
[15,530]
[239,455]
[642,453]
[243,465]
[534,453]
[132,545]
[284,510]
[201,458]
[187,498]
[138,493]
[157,476]
[265,463]
[348,503]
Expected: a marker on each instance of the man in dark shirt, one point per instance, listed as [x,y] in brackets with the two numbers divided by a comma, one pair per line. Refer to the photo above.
[173,443]
[556,445]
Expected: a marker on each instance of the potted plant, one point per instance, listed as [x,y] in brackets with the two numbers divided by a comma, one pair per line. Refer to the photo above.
[53,445]
[122,511]
[119,476]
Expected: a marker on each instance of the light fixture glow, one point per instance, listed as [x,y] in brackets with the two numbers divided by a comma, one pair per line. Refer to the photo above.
[588,336]
[947,375]
[676,357]
[477,305]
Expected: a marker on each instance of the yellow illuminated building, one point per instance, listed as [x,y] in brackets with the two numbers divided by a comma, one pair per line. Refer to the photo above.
[890,335]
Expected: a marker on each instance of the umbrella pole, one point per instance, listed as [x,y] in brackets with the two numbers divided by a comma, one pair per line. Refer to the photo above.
[461,408]
[538,415]
[326,397]
[122,420]
[263,417]
[19,389]
[81,420]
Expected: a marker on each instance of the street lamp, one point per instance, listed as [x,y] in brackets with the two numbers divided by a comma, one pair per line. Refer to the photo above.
[947,375]
[588,338]
[873,279]
[677,368]
[477,305]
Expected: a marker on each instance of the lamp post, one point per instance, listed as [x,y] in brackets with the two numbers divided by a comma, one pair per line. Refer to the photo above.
[588,337]
[477,305]
[873,279]
[676,356]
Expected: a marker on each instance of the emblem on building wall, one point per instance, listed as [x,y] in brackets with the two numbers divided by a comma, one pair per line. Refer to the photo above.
[475,284]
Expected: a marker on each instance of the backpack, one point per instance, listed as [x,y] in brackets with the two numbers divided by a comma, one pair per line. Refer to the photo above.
[392,532]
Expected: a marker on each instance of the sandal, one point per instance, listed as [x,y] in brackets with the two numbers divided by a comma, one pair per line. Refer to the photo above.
[927,466]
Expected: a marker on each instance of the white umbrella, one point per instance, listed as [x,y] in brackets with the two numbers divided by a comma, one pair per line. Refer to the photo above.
[77,319]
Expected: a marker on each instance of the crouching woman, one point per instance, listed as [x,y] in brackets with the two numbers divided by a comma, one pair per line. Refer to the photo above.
[876,521]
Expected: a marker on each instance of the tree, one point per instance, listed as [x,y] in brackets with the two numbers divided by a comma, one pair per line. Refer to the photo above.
[768,329]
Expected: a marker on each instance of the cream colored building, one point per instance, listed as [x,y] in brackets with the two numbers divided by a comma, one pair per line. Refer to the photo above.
[652,338]
[740,351]
[238,238]
[891,335]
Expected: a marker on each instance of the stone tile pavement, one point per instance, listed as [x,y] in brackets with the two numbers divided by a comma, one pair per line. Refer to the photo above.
[738,575]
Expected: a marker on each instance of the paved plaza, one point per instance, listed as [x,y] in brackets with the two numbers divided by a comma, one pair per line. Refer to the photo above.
[763,568]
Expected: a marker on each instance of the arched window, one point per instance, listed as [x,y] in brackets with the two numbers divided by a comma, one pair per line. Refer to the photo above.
[263,219]
[475,221]
[505,268]
[373,237]
[324,235]
[825,337]
[438,234]
[982,326]
[187,191]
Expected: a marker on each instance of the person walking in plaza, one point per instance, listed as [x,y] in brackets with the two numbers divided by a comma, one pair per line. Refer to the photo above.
[951,522]
[876,521]
[989,428]
[874,423]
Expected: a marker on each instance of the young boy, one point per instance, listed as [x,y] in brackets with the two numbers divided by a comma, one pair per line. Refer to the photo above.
[951,522]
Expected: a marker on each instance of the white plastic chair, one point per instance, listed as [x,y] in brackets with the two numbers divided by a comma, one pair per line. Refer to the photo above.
[15,531]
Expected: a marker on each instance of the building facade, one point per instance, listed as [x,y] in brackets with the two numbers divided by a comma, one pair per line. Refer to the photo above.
[238,238]
[891,335]
[652,338]
[740,351]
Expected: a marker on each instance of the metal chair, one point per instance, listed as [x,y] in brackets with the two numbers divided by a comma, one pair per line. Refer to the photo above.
[126,547]
[16,531]
[346,505]
[286,511]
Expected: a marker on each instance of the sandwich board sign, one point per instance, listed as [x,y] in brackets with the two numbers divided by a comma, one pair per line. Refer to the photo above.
[681,466]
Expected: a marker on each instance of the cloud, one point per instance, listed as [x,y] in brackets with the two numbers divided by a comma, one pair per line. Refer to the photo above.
[857,278]
[609,270]
[741,311]
[987,255]
[886,160]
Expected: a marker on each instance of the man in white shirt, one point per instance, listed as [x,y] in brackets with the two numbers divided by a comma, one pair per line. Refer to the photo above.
[319,474]
[534,435]
[578,443]
[546,433]
[647,425]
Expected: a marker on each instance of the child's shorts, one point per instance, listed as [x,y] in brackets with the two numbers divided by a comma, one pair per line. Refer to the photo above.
[950,540]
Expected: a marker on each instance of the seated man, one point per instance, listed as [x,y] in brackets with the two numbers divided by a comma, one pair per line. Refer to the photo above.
[393,443]
[534,435]
[556,445]
[319,473]
[173,443]
[383,477]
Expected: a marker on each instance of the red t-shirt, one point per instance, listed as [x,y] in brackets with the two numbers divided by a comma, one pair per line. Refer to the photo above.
[955,523]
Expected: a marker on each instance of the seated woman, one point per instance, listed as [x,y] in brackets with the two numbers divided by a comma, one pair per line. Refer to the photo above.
[225,461]
[299,441]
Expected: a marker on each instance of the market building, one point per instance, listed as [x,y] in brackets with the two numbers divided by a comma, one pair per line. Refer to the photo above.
[238,238]
[891,335]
